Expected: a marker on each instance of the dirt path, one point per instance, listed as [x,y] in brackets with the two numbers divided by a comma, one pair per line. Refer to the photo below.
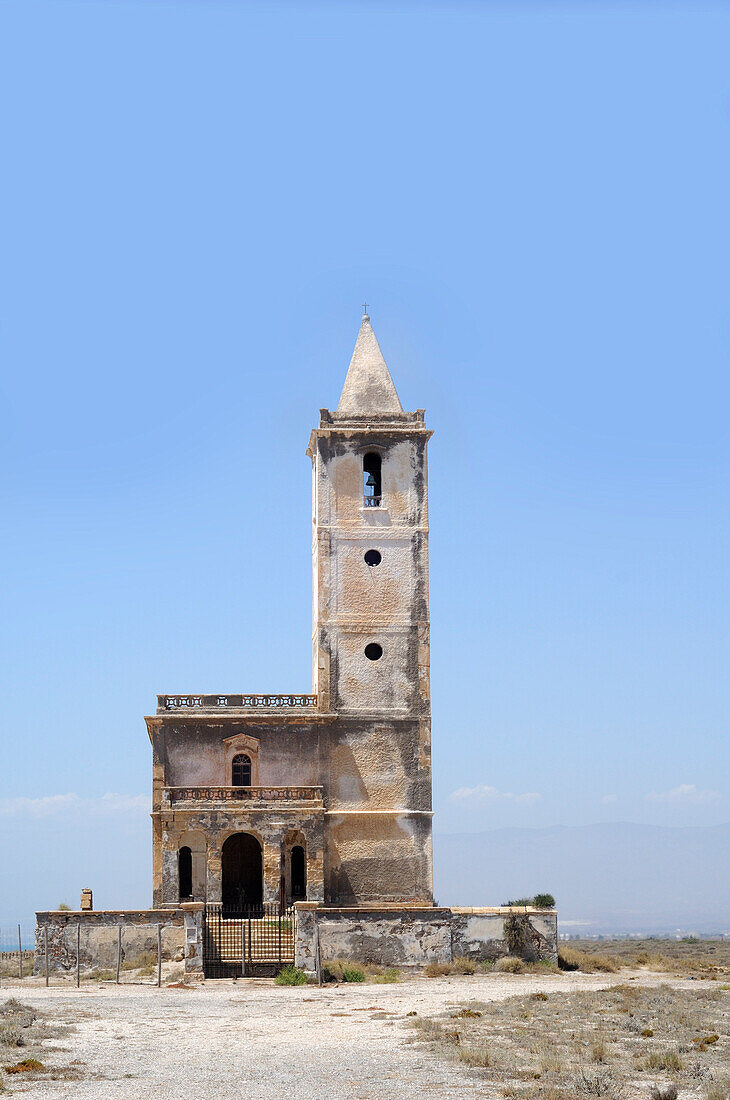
[253,1040]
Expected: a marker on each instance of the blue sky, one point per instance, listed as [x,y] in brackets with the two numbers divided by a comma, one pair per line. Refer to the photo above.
[196,198]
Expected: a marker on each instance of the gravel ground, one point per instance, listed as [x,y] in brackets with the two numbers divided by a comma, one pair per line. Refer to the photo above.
[252,1039]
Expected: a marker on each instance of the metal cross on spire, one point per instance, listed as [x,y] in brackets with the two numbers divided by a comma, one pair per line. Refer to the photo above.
[364,309]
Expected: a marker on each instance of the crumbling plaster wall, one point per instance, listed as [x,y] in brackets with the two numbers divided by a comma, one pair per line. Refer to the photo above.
[413,936]
[198,753]
[98,932]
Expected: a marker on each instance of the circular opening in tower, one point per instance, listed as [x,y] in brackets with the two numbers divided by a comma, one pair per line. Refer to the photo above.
[373,651]
[372,557]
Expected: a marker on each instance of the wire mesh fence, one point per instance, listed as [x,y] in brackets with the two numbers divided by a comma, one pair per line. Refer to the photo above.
[125,956]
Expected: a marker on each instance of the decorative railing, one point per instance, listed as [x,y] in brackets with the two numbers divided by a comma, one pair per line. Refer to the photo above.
[372,502]
[268,702]
[242,794]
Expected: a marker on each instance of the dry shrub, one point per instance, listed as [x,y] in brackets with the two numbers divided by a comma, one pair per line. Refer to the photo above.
[14,1007]
[718,1090]
[508,964]
[462,965]
[549,1057]
[668,1060]
[146,961]
[11,1035]
[571,959]
[437,969]
[602,1083]
[466,1014]
[28,1065]
[476,1055]
[599,1052]
[669,1093]
[428,1028]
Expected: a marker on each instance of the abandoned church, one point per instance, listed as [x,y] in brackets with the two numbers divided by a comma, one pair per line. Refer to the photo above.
[318,806]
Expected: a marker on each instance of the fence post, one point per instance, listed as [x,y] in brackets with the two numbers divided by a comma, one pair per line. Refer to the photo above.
[159,955]
[243,949]
[20,955]
[317,954]
[46,947]
[78,955]
[250,959]
[119,951]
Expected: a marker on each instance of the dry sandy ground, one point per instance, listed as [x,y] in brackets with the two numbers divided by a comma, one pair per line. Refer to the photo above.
[252,1039]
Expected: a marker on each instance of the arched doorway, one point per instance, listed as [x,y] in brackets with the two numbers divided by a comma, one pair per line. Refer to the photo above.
[298,873]
[242,872]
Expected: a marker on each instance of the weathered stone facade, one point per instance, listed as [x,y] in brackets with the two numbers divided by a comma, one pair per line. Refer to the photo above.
[344,774]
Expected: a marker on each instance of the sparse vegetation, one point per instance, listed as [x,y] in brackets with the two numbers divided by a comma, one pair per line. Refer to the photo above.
[718,1090]
[569,958]
[508,964]
[687,956]
[539,901]
[462,965]
[353,974]
[669,1093]
[63,908]
[388,976]
[28,1065]
[22,1027]
[145,962]
[437,969]
[291,975]
[616,1043]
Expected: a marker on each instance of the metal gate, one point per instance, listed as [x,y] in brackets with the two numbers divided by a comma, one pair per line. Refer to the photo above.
[256,941]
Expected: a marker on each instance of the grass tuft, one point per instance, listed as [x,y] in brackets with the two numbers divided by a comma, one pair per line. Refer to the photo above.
[437,969]
[291,975]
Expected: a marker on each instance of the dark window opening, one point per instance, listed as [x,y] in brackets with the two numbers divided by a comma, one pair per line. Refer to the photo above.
[298,872]
[372,557]
[373,651]
[372,484]
[241,770]
[185,872]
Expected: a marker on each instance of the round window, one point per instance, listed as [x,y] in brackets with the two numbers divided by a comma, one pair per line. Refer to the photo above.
[372,557]
[373,651]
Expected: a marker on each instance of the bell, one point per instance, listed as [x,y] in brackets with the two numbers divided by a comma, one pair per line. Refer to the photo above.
[370,480]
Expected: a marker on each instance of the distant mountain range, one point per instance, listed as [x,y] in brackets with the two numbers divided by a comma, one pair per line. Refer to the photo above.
[610,878]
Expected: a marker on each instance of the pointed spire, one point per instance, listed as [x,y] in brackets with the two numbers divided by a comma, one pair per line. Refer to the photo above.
[368,386]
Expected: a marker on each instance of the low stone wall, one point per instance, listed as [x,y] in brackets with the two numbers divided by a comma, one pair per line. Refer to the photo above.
[182,937]
[414,936]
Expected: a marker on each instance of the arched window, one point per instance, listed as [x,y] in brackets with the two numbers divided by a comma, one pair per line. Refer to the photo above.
[241,770]
[185,872]
[372,484]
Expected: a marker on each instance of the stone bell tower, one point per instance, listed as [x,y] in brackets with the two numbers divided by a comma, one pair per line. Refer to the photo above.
[371,634]
[370,546]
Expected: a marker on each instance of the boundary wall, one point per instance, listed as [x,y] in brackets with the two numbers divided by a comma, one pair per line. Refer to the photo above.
[97,933]
[402,936]
[415,936]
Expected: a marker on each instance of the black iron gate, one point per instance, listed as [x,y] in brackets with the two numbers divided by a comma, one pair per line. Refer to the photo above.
[256,941]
